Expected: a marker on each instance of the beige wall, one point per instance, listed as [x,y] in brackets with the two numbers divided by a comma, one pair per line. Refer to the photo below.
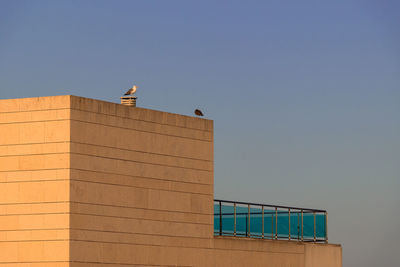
[34,191]
[131,187]
[141,184]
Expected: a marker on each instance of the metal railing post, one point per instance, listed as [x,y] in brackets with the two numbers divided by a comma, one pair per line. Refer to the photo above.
[262,221]
[234,219]
[246,225]
[315,228]
[302,226]
[220,218]
[276,223]
[248,218]
[289,223]
[326,226]
[272,226]
[298,226]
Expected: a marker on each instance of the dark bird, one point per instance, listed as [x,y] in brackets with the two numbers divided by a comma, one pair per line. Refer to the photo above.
[131,91]
[198,112]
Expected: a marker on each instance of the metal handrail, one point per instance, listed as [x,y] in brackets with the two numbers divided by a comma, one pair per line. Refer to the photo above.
[273,215]
[266,205]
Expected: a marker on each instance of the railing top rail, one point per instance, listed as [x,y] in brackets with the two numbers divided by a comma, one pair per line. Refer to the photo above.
[266,205]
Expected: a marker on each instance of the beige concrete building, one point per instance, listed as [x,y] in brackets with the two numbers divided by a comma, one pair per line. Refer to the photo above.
[85,182]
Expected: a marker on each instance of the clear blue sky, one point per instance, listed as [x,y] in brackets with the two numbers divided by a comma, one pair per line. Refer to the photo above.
[305,95]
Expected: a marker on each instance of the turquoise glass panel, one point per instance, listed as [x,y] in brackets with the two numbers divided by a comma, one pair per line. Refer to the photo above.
[275,223]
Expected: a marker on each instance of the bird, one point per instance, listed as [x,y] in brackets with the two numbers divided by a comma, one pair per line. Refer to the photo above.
[131,91]
[198,112]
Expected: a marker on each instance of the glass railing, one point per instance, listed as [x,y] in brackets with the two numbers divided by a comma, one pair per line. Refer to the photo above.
[269,222]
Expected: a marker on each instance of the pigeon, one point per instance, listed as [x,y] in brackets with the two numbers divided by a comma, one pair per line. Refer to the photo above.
[198,112]
[131,91]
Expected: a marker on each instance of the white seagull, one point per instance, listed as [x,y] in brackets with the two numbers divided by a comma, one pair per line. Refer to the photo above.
[131,91]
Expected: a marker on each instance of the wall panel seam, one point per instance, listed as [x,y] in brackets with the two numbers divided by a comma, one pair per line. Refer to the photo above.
[106,205]
[143,131]
[102,231]
[35,154]
[29,262]
[141,162]
[34,240]
[103,183]
[34,214]
[208,248]
[30,121]
[129,264]
[148,121]
[28,170]
[33,229]
[155,245]
[149,209]
[32,181]
[33,203]
[140,151]
[103,215]
[135,218]
[141,187]
[41,143]
[144,177]
[33,110]
[137,233]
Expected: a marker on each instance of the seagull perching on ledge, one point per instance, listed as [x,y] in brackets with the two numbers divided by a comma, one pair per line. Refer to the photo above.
[198,112]
[131,91]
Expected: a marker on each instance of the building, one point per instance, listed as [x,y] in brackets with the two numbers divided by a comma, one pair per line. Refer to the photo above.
[85,182]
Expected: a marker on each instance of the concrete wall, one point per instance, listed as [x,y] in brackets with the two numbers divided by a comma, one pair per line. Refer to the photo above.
[137,190]
[141,184]
[317,255]
[34,186]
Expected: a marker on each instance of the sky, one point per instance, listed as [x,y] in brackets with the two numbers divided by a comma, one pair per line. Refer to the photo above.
[305,95]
